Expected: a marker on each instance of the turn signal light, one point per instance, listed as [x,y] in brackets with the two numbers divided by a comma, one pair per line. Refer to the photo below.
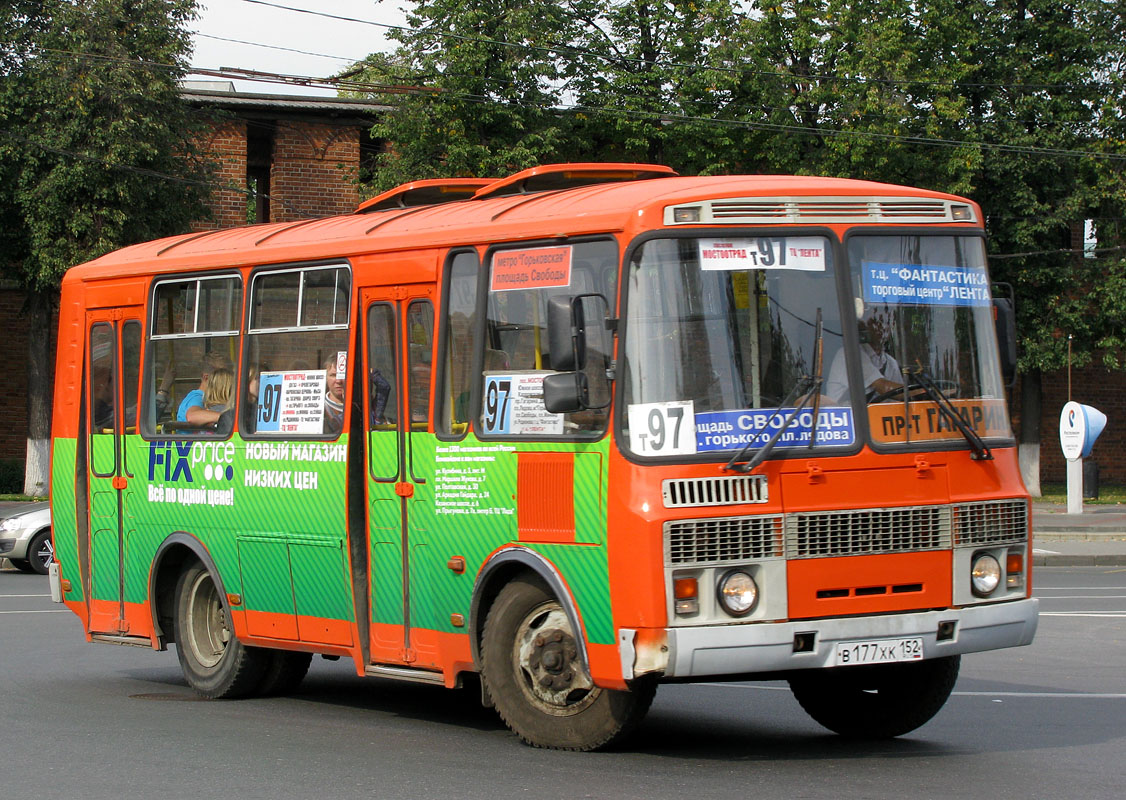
[1014,570]
[684,588]
[687,593]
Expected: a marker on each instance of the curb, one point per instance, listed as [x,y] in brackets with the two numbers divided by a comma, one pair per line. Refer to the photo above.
[1062,560]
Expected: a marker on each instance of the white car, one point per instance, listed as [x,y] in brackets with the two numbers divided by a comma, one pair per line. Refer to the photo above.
[25,537]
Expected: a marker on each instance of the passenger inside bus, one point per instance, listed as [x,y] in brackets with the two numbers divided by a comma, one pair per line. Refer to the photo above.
[103,398]
[193,408]
[334,398]
[880,369]
[219,399]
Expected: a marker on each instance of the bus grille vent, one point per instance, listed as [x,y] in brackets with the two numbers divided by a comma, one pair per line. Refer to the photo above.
[728,491]
[990,522]
[869,531]
[812,209]
[714,541]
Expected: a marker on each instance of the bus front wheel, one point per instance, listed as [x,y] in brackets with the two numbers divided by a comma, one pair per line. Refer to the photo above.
[215,663]
[880,701]
[534,672]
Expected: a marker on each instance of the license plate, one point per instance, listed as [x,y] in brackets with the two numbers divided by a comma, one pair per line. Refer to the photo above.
[878,651]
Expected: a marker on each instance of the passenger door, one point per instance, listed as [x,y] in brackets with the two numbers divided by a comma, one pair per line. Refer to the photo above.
[398,345]
[113,338]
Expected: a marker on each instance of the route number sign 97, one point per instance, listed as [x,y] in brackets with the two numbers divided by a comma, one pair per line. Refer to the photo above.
[662,429]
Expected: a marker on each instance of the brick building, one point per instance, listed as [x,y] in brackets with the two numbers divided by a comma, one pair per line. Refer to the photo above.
[279,158]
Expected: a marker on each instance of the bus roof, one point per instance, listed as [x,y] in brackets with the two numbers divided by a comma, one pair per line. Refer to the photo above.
[583,210]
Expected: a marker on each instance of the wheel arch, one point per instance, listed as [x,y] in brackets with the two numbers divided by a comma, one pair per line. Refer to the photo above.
[502,568]
[177,550]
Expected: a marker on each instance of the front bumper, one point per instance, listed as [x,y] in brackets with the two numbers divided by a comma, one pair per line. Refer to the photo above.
[769,647]
[14,547]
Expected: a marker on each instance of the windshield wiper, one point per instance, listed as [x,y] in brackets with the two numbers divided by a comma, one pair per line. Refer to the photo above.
[809,387]
[981,450]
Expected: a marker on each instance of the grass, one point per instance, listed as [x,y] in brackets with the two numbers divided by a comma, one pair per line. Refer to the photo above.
[9,497]
[1108,495]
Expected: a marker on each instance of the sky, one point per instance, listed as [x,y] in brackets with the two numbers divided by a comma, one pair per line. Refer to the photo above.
[252,25]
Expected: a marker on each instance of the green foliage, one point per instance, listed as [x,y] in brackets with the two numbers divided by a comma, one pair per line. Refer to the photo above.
[96,148]
[1012,103]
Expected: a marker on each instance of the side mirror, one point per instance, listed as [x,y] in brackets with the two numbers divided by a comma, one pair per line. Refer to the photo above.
[1004,318]
[566,333]
[564,392]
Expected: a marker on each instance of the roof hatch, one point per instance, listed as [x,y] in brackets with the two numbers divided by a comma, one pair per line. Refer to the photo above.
[553,177]
[425,193]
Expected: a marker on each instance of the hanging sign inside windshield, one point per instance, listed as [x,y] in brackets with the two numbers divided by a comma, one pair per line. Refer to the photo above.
[925,285]
[805,253]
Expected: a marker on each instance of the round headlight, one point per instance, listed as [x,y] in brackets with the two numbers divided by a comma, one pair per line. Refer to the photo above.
[738,593]
[985,575]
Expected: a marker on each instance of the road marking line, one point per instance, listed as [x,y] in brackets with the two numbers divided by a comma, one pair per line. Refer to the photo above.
[1077,588]
[23,595]
[1038,551]
[1111,614]
[45,611]
[1085,597]
[1079,695]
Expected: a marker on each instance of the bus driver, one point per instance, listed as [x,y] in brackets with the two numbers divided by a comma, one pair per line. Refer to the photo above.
[881,370]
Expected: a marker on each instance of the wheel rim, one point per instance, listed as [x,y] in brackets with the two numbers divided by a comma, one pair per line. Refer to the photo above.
[208,632]
[45,552]
[548,666]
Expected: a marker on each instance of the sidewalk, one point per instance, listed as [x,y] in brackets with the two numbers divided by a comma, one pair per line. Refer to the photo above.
[1097,537]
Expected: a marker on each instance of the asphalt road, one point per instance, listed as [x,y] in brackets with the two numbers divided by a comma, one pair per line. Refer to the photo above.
[99,721]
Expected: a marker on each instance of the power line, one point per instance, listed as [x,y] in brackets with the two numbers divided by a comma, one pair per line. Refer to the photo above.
[361,86]
[570,49]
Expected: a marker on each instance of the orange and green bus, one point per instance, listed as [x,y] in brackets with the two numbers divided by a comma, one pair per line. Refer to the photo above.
[578,432]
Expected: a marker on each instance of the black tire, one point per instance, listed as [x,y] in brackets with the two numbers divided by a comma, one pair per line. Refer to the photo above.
[215,663]
[40,553]
[533,671]
[876,702]
[284,672]
[22,564]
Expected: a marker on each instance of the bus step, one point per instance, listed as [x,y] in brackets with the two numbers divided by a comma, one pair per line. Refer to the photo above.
[404,674]
[130,641]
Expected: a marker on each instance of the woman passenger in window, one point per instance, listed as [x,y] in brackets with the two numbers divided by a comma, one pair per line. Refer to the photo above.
[217,398]
[334,398]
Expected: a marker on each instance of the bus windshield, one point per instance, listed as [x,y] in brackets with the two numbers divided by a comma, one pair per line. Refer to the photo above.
[925,321]
[721,344]
[719,332]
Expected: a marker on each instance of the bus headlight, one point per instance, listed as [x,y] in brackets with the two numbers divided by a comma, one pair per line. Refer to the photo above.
[985,575]
[737,593]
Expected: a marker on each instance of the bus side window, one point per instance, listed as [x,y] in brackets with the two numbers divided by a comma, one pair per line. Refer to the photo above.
[460,339]
[297,360]
[516,343]
[194,330]
[102,391]
[420,328]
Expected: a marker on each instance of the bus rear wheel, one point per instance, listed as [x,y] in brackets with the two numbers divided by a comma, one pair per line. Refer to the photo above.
[533,670]
[215,663]
[881,701]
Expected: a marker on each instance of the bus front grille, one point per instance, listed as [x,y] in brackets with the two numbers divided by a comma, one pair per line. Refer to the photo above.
[714,541]
[723,491]
[868,531]
[990,522]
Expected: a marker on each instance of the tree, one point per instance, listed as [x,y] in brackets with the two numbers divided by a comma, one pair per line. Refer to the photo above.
[485,89]
[96,152]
